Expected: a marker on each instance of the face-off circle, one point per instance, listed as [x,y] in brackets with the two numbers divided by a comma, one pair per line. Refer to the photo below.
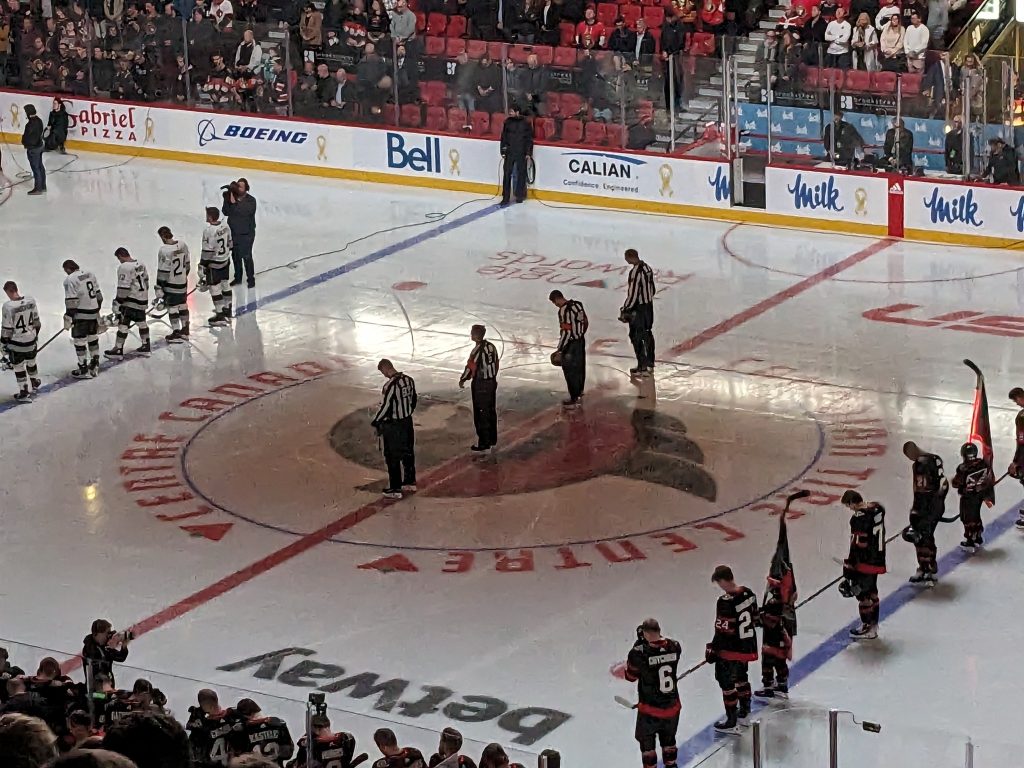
[610,470]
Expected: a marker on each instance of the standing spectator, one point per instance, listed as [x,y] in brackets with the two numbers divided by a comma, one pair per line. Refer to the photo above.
[248,55]
[814,37]
[393,422]
[937,14]
[465,83]
[790,57]
[841,141]
[548,18]
[487,85]
[590,33]
[378,23]
[1002,164]
[222,13]
[934,87]
[113,12]
[57,126]
[865,44]
[103,647]
[533,80]
[915,44]
[642,54]
[240,208]
[407,75]
[311,27]
[32,141]
[909,7]
[889,9]
[972,84]
[898,149]
[403,23]
[955,148]
[483,18]
[837,35]
[373,80]
[387,743]
[622,39]
[673,41]
[890,46]
[26,742]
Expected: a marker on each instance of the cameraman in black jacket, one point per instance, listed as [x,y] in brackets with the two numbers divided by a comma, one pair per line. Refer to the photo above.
[102,648]
[516,147]
[240,208]
[32,141]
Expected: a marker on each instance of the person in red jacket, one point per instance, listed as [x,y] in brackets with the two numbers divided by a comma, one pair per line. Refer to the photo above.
[590,33]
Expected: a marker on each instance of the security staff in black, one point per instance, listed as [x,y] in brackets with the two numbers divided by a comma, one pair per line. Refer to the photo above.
[733,647]
[516,147]
[482,371]
[571,353]
[638,311]
[393,423]
[930,489]
[240,208]
[652,664]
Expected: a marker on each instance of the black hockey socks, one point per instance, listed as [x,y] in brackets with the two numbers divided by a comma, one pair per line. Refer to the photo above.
[668,756]
[122,336]
[731,700]
[81,353]
[172,316]
[143,331]
[869,609]
[649,758]
[22,376]
[743,692]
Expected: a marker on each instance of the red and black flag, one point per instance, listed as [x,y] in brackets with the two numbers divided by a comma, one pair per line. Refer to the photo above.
[782,578]
[981,428]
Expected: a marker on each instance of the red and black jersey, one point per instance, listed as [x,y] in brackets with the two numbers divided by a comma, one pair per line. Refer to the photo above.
[409,757]
[975,478]
[334,751]
[735,638]
[1018,423]
[927,471]
[455,761]
[210,736]
[775,640]
[267,736]
[653,667]
[867,539]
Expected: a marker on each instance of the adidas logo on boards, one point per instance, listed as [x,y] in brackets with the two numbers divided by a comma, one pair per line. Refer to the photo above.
[896,188]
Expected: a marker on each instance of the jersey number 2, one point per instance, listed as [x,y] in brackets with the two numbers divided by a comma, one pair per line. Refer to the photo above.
[745,624]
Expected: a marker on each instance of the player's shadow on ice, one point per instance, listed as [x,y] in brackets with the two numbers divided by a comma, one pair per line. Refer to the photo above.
[988,556]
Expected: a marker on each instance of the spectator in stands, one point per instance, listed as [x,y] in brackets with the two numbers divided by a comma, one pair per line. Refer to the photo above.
[403,23]
[641,134]
[792,20]
[407,75]
[673,42]
[487,84]
[841,141]
[548,17]
[909,7]
[937,14]
[1002,164]
[813,37]
[898,149]
[465,83]
[518,23]
[248,55]
[378,22]
[837,35]
[893,57]
[888,10]
[150,740]
[113,12]
[447,755]
[972,83]
[622,38]
[857,7]
[791,56]
[532,81]
[644,46]
[26,742]
[387,743]
[686,10]
[933,87]
[915,44]
[311,28]
[828,9]
[864,43]
[768,51]
[483,18]
[590,33]
[372,80]
[334,14]
[955,148]
[222,13]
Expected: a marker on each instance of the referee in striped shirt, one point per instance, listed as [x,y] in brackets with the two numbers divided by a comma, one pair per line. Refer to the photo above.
[393,423]
[572,346]
[482,370]
[638,311]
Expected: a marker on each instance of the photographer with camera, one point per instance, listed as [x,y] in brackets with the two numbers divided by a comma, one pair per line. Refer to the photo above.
[240,208]
[102,648]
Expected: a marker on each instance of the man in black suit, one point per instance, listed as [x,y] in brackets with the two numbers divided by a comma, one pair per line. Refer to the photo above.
[644,44]
[516,147]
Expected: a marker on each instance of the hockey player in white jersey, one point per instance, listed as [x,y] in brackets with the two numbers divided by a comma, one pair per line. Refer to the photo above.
[19,333]
[215,264]
[130,305]
[83,300]
[172,280]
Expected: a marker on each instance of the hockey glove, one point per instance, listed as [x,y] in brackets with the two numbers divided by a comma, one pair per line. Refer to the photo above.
[846,588]
[67,322]
[710,655]
[556,358]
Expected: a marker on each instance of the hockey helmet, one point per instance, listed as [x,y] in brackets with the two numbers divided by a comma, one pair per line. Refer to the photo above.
[968,451]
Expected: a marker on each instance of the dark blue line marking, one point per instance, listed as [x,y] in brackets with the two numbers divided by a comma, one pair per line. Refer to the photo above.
[311,282]
[828,649]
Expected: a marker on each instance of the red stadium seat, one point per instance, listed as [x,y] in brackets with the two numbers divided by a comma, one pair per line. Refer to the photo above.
[454,46]
[496,50]
[702,44]
[390,114]
[564,57]
[595,133]
[436,24]
[616,135]
[553,104]
[832,78]
[497,123]
[883,82]
[566,33]
[572,104]
[811,78]
[544,129]
[572,131]
[421,21]
[858,81]
[645,109]
[433,92]
[910,85]
[481,122]
[475,49]
[630,14]
[433,46]
[519,53]
[437,119]
[457,119]
[607,13]
[654,16]
[456,26]
[411,116]
[545,54]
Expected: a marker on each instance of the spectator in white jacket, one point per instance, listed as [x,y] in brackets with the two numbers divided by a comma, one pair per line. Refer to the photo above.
[249,55]
[837,35]
[889,8]
[865,45]
[915,43]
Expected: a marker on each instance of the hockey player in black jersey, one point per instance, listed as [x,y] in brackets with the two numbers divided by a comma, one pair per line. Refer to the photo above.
[393,755]
[448,749]
[975,483]
[330,749]
[776,645]
[651,664]
[210,730]
[865,561]
[733,647]
[930,489]
[266,736]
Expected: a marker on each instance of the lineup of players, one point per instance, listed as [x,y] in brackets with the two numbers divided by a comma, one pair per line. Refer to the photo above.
[83,304]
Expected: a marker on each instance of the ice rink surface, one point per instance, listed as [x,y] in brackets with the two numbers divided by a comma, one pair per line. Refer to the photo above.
[223,496]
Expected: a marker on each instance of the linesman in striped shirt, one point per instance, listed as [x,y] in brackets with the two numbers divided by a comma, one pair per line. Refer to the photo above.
[638,311]
[572,345]
[393,423]
[482,370]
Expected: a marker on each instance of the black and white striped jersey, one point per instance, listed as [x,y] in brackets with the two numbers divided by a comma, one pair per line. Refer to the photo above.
[572,320]
[398,399]
[82,295]
[640,286]
[133,285]
[482,363]
[20,324]
[173,267]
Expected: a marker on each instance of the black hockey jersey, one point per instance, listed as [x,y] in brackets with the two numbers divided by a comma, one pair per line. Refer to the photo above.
[927,471]
[335,751]
[455,761]
[210,736]
[267,736]
[867,540]
[975,478]
[1018,454]
[409,757]
[735,638]
[652,666]
[775,640]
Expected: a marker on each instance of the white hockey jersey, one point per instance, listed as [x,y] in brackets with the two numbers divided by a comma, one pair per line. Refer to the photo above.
[82,295]
[20,324]
[133,285]
[217,245]
[173,267]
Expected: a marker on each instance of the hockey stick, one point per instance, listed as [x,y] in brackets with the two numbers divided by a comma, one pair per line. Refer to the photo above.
[836,580]
[623,701]
[47,342]
[956,517]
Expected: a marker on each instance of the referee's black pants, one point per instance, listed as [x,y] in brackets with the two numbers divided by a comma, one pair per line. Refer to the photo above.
[514,162]
[574,367]
[399,451]
[485,412]
[641,334]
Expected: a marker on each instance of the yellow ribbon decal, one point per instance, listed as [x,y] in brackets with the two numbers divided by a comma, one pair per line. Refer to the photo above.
[321,146]
[861,198]
[15,116]
[666,180]
[150,125]
[453,156]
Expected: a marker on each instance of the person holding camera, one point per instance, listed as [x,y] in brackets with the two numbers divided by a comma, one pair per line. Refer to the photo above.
[240,208]
[102,648]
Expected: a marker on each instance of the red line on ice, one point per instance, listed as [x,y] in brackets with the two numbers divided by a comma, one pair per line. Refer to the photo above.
[771,302]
